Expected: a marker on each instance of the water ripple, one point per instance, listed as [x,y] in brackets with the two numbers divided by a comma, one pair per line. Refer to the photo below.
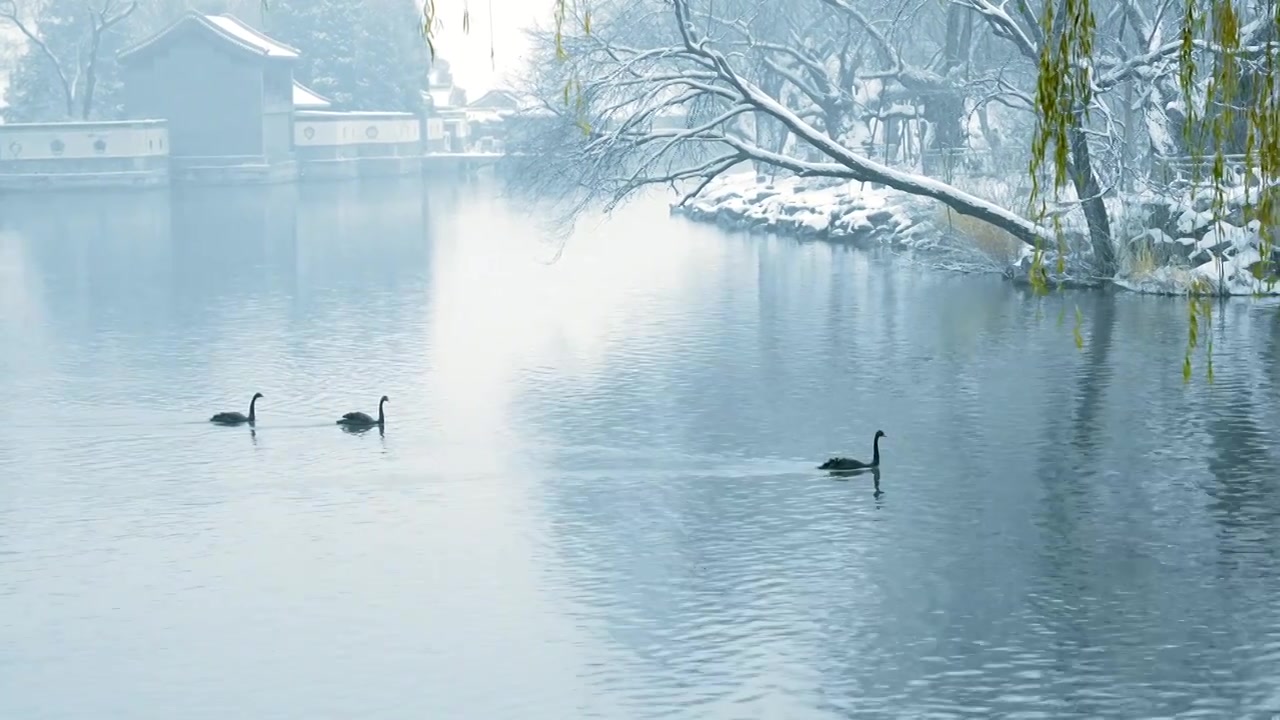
[596,493]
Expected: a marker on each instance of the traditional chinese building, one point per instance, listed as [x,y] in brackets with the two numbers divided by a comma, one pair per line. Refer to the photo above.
[227,92]
[447,129]
[211,100]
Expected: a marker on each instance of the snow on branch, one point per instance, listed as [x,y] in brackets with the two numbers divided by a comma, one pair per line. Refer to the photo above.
[664,103]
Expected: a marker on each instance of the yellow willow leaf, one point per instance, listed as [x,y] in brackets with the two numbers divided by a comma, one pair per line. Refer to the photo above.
[586,22]
[466,21]
[1186,368]
[1079,336]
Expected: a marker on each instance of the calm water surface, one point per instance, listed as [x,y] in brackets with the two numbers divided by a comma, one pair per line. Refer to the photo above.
[595,495]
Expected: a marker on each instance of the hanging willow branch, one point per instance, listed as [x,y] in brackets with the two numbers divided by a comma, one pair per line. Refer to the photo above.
[1064,90]
[1226,75]
[431,23]
[563,10]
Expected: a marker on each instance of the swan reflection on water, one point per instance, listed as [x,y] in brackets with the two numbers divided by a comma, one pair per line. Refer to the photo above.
[362,429]
[874,472]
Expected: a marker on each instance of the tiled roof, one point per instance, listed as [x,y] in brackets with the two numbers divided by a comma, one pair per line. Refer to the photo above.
[227,27]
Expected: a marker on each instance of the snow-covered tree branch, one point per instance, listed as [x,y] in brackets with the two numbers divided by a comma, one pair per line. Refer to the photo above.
[672,104]
[678,91]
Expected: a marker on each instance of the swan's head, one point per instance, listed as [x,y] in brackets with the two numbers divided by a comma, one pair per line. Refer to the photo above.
[880,434]
[385,399]
[258,395]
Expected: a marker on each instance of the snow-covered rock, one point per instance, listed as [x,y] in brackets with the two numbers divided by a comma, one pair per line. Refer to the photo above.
[850,211]
[1180,243]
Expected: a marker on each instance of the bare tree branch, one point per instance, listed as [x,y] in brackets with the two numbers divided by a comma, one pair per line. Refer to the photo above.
[1004,26]
[9,11]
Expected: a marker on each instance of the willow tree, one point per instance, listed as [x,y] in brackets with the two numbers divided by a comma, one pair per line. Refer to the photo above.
[1222,97]
[719,62]
[1199,72]
[706,65]
[431,19]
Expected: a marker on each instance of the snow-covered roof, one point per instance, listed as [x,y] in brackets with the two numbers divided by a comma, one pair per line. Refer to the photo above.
[497,99]
[227,27]
[232,25]
[305,98]
[440,97]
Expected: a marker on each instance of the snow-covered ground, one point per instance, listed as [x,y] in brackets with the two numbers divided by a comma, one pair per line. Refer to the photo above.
[820,208]
[1169,245]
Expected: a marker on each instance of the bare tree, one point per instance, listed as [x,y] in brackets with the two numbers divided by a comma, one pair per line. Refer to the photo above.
[651,60]
[77,77]
[790,85]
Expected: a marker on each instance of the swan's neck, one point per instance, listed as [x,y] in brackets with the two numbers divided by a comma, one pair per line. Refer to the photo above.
[875,451]
[381,417]
[252,402]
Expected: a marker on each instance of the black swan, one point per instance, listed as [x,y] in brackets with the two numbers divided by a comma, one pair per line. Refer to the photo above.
[359,419]
[235,418]
[842,463]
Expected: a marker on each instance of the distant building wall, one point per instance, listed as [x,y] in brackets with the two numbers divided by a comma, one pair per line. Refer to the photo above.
[226,90]
[392,131]
[277,108]
[349,144]
[447,132]
[84,140]
[435,129]
[84,154]
[487,135]
[213,100]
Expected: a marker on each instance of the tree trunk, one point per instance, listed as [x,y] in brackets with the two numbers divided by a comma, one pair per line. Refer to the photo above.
[946,112]
[91,73]
[992,138]
[1126,142]
[945,107]
[890,138]
[1090,194]
[768,131]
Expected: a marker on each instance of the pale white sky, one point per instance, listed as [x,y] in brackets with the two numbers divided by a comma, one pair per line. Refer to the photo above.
[469,54]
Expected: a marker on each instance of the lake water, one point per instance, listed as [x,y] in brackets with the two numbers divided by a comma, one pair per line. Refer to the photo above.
[595,496]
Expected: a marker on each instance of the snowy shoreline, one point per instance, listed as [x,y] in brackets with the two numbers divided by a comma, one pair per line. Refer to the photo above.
[1176,245]
[794,206]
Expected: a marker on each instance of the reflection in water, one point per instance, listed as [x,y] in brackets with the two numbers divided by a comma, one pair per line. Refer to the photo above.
[362,429]
[599,499]
[873,473]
